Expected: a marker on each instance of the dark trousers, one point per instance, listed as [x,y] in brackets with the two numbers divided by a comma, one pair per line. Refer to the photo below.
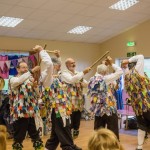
[75,120]
[144,121]
[21,126]
[110,121]
[60,134]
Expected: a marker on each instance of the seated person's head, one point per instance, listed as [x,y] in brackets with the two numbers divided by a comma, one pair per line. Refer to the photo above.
[104,139]
[2,137]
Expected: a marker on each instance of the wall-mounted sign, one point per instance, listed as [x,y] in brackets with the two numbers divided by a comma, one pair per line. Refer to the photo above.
[129,44]
[130,54]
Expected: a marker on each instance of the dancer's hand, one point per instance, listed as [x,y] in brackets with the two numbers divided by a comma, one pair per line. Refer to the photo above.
[38,48]
[87,70]
[109,60]
[35,69]
[57,53]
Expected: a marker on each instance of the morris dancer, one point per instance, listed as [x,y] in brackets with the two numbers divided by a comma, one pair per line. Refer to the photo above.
[138,87]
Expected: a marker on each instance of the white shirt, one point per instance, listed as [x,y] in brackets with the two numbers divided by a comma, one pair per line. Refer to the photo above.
[140,63]
[46,72]
[72,78]
[46,69]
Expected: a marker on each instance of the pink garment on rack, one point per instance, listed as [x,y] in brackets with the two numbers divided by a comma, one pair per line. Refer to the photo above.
[32,61]
[4,70]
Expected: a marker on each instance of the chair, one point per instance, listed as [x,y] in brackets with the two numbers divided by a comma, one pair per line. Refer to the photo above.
[125,112]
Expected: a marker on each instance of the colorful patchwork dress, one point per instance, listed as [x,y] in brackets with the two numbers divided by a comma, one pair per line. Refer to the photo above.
[75,93]
[56,97]
[23,101]
[101,97]
[138,88]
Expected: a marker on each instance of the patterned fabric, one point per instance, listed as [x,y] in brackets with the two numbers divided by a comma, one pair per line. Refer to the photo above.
[101,97]
[75,93]
[138,88]
[23,101]
[56,97]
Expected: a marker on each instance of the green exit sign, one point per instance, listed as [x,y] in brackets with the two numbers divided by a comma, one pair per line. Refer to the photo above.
[129,44]
[130,54]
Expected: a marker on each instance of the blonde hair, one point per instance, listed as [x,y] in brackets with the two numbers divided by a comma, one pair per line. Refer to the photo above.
[104,139]
[2,137]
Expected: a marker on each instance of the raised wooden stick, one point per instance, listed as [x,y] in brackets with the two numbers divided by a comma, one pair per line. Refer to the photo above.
[99,59]
[49,51]
[45,46]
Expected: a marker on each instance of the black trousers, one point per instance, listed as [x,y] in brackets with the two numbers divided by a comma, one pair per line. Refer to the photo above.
[75,120]
[110,121]
[144,121]
[60,134]
[21,126]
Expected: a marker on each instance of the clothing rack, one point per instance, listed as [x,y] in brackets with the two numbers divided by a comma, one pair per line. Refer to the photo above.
[14,50]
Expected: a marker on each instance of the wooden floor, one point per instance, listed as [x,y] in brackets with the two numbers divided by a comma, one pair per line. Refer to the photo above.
[129,142]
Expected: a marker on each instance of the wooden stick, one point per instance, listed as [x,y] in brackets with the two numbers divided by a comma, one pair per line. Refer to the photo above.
[49,51]
[45,46]
[99,59]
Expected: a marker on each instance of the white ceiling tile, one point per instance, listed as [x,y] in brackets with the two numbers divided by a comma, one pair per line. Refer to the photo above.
[48,26]
[41,15]
[59,17]
[23,12]
[35,34]
[73,8]
[4,9]
[17,32]
[83,1]
[103,3]
[77,20]
[52,35]
[32,3]
[10,2]
[91,11]
[54,5]
[3,30]
[28,24]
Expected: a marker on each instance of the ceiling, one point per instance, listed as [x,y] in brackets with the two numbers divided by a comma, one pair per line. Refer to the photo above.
[51,19]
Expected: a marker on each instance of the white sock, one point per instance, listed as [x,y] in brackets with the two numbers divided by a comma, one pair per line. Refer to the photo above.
[141,137]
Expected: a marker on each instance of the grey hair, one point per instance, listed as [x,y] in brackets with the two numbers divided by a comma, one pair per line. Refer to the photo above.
[55,61]
[102,69]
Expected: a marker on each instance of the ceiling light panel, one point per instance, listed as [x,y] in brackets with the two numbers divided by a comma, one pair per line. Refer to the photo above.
[79,30]
[123,4]
[9,21]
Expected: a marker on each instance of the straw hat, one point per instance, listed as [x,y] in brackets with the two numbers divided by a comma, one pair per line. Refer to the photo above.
[2,83]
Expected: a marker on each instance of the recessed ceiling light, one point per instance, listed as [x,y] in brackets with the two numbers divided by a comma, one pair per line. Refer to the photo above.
[124,4]
[9,21]
[79,30]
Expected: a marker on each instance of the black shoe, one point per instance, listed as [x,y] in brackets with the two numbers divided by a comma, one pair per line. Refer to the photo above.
[75,134]
[77,148]
[38,145]
[17,146]
[138,149]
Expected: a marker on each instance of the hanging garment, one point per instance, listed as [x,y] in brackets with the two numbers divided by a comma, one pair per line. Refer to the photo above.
[13,65]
